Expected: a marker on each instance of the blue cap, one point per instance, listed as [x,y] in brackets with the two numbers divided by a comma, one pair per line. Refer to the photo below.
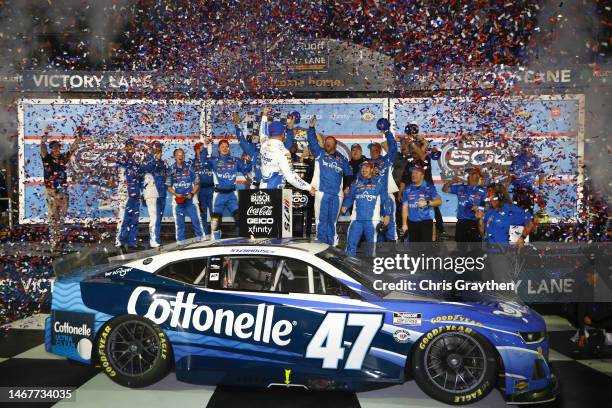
[130,142]
[53,143]
[383,124]
[276,129]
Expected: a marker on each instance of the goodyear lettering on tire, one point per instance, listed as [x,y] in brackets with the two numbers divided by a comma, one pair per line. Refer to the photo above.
[102,354]
[472,396]
[439,330]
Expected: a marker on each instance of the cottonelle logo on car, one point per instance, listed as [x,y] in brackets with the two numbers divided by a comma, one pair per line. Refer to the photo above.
[72,334]
[182,313]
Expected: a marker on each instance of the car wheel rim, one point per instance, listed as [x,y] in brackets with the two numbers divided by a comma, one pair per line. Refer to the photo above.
[455,362]
[133,348]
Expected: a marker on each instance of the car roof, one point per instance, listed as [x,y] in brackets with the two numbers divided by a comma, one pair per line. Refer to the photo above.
[294,243]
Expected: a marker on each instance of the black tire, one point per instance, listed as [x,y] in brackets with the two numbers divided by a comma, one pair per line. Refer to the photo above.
[133,351]
[454,364]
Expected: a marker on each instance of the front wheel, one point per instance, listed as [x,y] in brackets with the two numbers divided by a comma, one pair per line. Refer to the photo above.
[133,351]
[454,365]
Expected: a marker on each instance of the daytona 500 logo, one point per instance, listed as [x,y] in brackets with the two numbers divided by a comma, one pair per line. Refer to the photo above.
[184,313]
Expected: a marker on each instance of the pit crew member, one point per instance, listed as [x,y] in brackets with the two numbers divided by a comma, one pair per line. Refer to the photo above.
[155,191]
[369,199]
[225,168]
[207,185]
[469,196]
[129,187]
[384,167]
[330,168]
[184,184]
[525,174]
[418,202]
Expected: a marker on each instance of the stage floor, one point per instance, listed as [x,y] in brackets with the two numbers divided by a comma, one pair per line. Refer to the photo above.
[586,380]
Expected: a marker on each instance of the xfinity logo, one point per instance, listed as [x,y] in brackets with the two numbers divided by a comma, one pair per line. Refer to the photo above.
[182,312]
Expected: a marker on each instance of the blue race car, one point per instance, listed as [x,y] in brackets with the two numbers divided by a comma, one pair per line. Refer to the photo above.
[291,314]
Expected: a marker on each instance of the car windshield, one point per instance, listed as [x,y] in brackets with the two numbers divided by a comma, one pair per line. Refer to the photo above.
[356,268]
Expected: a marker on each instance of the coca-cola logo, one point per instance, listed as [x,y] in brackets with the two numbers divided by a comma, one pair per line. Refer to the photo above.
[266,210]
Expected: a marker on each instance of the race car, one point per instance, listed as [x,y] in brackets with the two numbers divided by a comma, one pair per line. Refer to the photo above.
[288,313]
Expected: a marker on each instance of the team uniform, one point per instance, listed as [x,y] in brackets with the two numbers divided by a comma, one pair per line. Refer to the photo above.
[254,149]
[384,165]
[369,199]
[225,198]
[276,167]
[154,193]
[328,180]
[525,169]
[498,222]
[56,190]
[183,180]
[207,188]
[129,186]
[420,220]
[467,197]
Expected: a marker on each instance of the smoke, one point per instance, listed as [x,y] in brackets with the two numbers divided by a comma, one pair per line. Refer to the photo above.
[52,34]
[566,37]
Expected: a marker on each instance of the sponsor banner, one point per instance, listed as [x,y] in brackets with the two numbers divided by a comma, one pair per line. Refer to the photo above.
[72,334]
[462,134]
[261,213]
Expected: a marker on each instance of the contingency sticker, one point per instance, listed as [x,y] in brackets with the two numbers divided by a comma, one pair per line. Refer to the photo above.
[72,334]
[407,319]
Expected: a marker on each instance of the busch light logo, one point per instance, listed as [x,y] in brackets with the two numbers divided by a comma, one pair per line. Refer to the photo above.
[181,313]
[260,198]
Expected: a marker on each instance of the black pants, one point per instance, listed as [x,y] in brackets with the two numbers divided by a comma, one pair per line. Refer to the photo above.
[467,231]
[439,220]
[421,231]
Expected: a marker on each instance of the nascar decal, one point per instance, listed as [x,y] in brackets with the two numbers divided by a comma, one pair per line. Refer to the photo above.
[182,312]
[326,343]
[407,319]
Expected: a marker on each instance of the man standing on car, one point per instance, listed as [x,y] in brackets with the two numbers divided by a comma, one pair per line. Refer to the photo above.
[418,202]
[184,184]
[56,182]
[369,199]
[330,168]
[469,196]
[129,187]
[155,192]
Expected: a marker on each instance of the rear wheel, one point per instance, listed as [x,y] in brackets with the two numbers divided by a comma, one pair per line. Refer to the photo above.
[133,351]
[455,365]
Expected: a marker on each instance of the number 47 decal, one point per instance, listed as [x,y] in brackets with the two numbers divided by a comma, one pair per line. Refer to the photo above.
[326,344]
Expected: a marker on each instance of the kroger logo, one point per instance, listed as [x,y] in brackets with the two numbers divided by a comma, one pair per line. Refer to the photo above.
[182,313]
[332,165]
[118,272]
[367,196]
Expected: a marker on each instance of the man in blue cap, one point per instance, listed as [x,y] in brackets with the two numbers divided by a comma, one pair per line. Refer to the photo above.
[252,149]
[129,187]
[330,169]
[207,184]
[469,196]
[418,202]
[154,191]
[276,165]
[526,173]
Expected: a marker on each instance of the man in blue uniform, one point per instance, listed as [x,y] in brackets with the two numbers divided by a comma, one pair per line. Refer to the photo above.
[418,202]
[129,186]
[495,223]
[154,192]
[330,169]
[526,173]
[252,149]
[225,198]
[184,184]
[469,196]
[384,167]
[207,185]
[369,199]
